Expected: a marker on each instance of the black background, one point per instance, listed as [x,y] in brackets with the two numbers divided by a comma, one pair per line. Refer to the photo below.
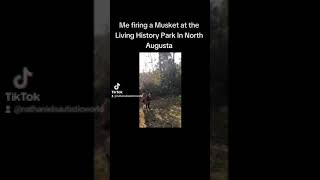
[54,39]
[161,153]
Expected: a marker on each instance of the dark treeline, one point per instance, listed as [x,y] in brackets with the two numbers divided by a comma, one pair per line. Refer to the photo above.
[219,52]
[101,87]
[102,67]
[219,30]
[165,77]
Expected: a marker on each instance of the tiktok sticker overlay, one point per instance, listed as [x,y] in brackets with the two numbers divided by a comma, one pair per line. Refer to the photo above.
[20,82]
[119,93]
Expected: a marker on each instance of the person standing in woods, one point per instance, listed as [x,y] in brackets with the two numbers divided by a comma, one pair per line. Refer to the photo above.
[148,101]
[144,100]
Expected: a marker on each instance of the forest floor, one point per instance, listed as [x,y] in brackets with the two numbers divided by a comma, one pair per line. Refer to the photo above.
[101,171]
[218,162]
[101,164]
[165,113]
[219,148]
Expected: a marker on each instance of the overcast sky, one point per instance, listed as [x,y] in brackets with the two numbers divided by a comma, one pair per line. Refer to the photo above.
[145,60]
[101,15]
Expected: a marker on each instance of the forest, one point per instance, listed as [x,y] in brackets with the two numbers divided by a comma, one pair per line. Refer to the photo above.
[219,37]
[160,75]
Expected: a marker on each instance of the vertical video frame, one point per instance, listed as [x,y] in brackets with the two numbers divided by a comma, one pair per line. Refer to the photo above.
[160,89]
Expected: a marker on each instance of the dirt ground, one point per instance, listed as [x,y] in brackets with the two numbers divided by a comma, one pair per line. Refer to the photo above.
[165,113]
[218,162]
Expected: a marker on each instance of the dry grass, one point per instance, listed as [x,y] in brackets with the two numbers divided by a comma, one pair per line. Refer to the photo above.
[142,123]
[101,166]
[218,162]
[164,113]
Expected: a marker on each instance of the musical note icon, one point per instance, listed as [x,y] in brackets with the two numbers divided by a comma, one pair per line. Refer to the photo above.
[116,87]
[21,81]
